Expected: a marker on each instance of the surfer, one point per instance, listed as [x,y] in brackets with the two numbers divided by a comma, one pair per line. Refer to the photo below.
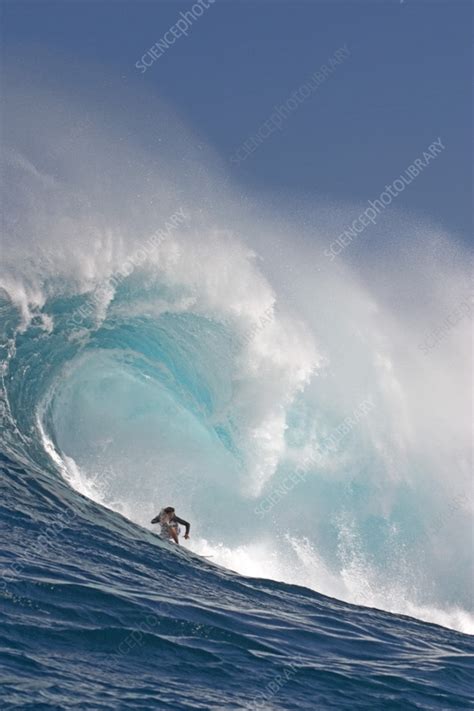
[169,523]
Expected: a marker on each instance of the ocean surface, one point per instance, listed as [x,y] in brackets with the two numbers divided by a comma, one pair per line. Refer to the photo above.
[98,613]
[165,340]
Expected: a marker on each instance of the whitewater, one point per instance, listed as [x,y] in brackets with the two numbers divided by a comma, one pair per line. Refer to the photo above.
[167,339]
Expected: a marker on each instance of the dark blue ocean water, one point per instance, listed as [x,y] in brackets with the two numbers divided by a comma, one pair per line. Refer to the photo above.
[98,613]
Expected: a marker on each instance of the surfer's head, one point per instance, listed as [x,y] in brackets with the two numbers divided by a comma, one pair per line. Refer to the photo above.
[169,510]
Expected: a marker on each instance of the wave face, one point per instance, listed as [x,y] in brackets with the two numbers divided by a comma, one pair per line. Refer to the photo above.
[163,343]
[89,597]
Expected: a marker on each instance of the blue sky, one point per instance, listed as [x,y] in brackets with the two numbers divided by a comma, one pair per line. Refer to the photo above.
[408,80]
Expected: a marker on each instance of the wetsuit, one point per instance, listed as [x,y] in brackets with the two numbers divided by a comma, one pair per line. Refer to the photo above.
[170,522]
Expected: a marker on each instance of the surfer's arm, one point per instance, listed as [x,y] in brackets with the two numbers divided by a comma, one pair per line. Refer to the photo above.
[156,519]
[184,523]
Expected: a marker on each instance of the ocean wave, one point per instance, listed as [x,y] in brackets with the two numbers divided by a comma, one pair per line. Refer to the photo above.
[174,347]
